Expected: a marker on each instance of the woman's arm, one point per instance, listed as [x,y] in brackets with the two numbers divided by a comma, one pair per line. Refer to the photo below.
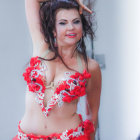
[94,91]
[32,14]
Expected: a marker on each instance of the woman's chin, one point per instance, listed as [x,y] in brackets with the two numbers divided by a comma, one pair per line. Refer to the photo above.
[74,43]
[69,43]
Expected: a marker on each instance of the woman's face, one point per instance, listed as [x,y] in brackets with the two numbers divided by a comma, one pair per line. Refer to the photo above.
[68,28]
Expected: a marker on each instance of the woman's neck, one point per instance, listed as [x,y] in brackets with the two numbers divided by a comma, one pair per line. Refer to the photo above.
[67,52]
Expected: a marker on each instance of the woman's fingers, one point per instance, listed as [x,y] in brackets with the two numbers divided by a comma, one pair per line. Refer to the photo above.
[83,7]
[87,9]
[81,10]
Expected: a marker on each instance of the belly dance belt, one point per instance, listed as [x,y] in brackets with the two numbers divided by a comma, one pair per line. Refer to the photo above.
[82,132]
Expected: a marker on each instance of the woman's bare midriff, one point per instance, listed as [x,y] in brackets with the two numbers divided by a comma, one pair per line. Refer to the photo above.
[59,119]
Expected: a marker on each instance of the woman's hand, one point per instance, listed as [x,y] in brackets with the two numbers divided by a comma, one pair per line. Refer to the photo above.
[83,7]
[81,4]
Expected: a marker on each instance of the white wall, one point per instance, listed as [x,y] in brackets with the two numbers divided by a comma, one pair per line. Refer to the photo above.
[130,43]
[14,53]
[107,42]
[118,38]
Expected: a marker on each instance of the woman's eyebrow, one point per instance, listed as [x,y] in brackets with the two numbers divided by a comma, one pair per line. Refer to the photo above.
[66,20]
[62,20]
[76,19]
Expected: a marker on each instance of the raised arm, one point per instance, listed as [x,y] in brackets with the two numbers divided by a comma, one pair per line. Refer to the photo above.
[32,14]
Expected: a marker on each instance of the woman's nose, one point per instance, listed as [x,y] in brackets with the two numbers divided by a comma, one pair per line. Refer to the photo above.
[70,26]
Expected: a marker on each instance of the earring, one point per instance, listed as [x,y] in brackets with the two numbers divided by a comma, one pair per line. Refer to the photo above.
[55,43]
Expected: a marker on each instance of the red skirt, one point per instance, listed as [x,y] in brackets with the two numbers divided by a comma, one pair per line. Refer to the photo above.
[82,132]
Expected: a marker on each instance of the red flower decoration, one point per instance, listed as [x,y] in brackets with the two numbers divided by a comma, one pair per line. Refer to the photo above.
[88,127]
[77,82]
[34,77]
[34,61]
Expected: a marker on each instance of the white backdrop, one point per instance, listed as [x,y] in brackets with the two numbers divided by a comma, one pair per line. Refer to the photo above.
[118,38]
[14,53]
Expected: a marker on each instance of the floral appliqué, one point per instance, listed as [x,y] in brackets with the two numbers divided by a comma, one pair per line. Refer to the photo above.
[71,88]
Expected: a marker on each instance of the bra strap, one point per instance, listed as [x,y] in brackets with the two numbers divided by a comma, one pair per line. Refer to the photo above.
[79,62]
[45,53]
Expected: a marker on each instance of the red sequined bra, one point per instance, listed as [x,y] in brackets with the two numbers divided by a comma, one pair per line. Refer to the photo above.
[72,87]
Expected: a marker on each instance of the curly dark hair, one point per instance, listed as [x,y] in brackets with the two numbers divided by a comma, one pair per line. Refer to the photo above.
[48,10]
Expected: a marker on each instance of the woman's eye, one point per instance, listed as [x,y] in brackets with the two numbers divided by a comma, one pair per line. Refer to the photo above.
[77,21]
[62,23]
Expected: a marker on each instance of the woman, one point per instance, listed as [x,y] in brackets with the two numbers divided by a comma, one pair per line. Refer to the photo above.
[59,73]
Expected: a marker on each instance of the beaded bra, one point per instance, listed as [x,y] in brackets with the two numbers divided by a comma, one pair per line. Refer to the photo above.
[72,87]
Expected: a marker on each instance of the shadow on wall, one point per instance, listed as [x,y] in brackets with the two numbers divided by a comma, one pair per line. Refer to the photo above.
[138,137]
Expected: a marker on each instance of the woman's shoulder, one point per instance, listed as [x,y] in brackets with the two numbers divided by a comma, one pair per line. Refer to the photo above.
[93,65]
[96,76]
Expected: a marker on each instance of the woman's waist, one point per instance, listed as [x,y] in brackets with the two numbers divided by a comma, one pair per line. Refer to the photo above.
[52,124]
[85,128]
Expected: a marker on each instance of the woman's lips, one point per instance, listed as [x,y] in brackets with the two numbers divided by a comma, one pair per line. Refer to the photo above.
[71,35]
